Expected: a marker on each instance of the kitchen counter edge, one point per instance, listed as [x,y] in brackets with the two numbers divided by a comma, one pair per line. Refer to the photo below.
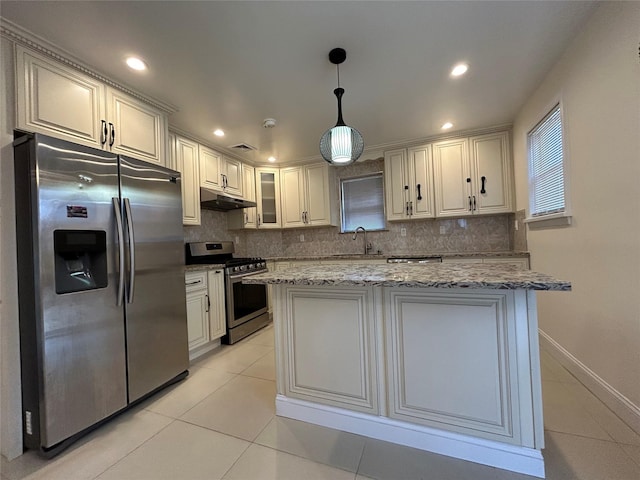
[434,275]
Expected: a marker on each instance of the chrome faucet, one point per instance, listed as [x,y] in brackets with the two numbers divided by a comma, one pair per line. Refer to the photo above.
[367,246]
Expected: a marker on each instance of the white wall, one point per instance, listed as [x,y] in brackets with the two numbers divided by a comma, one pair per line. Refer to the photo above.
[10,398]
[598,323]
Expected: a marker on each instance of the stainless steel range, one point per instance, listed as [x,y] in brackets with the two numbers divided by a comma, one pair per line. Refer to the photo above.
[246,305]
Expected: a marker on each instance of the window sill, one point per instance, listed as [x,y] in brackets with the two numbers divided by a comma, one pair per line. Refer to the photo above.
[549,221]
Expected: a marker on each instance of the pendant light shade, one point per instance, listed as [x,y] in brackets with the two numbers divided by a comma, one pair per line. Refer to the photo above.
[342,144]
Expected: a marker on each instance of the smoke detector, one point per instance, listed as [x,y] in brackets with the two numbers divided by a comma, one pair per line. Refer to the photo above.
[269,123]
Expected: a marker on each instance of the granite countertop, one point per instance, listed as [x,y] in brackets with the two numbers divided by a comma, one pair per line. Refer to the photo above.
[360,256]
[201,266]
[438,275]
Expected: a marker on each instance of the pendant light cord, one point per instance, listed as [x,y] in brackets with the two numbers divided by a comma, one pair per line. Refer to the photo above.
[338,68]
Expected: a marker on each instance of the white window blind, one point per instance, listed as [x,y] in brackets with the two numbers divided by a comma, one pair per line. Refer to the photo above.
[362,203]
[546,166]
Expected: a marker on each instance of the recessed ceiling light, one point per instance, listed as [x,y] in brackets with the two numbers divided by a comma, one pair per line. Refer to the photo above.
[272,159]
[459,69]
[218,133]
[136,64]
[447,126]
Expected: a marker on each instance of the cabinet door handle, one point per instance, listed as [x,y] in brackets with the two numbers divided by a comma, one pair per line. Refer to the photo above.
[407,207]
[410,208]
[104,132]
[246,218]
[474,202]
[470,204]
[419,194]
[259,220]
[482,189]
[112,137]
[194,283]
[208,303]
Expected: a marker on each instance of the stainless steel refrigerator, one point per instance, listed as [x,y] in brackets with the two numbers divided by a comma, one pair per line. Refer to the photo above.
[100,283]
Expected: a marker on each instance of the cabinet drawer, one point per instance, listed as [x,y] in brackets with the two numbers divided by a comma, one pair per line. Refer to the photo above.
[195,281]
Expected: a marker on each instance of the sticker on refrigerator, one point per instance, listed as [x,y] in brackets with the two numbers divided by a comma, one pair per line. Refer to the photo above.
[76,211]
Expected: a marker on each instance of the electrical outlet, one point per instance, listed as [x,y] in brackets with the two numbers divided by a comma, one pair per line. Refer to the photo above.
[237,239]
[516,225]
[302,237]
[403,232]
[443,229]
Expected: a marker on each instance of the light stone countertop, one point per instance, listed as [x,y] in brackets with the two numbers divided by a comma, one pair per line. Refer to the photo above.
[438,275]
[203,266]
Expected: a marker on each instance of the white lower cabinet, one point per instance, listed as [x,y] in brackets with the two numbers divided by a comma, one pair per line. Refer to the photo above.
[453,371]
[197,309]
[217,320]
[331,330]
[206,320]
[444,349]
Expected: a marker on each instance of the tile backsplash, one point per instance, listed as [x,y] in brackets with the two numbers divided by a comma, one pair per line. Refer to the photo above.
[477,234]
[492,233]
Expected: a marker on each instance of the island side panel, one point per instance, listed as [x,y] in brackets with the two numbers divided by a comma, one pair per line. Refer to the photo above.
[328,352]
[451,360]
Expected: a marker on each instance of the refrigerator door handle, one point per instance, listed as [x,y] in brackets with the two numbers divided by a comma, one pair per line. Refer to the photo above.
[119,228]
[132,250]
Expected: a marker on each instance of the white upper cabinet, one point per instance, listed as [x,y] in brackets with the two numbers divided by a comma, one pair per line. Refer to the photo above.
[60,101]
[268,197]
[306,196]
[409,183]
[293,197]
[210,174]
[219,172]
[249,174]
[186,162]
[319,183]
[473,175]
[232,172]
[135,128]
[492,175]
[452,175]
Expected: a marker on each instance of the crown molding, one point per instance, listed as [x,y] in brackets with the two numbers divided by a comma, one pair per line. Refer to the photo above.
[19,35]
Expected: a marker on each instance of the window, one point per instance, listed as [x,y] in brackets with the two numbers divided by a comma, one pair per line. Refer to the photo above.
[546,167]
[362,203]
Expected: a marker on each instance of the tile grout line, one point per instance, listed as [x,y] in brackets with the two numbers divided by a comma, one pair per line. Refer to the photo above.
[135,449]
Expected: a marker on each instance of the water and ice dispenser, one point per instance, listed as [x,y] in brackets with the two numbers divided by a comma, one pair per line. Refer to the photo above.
[80,260]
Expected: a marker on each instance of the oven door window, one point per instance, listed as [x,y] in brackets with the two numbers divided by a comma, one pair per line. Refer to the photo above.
[248,299]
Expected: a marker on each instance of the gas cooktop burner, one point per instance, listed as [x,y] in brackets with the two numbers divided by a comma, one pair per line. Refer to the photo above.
[242,261]
[222,252]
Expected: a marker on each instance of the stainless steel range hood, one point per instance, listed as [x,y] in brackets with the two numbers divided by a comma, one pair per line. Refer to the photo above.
[218,201]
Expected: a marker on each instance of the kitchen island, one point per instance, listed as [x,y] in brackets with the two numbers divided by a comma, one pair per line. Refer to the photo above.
[438,357]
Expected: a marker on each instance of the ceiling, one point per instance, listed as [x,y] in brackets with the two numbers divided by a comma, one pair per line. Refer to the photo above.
[230,65]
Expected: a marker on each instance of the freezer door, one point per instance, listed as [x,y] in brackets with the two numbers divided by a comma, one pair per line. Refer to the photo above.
[155,305]
[72,339]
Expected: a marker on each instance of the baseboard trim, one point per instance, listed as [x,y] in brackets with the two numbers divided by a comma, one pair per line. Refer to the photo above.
[612,398]
[486,452]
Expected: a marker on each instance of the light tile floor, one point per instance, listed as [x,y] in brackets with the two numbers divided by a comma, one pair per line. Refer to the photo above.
[219,423]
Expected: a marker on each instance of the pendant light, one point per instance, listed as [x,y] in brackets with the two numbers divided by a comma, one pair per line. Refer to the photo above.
[342,144]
